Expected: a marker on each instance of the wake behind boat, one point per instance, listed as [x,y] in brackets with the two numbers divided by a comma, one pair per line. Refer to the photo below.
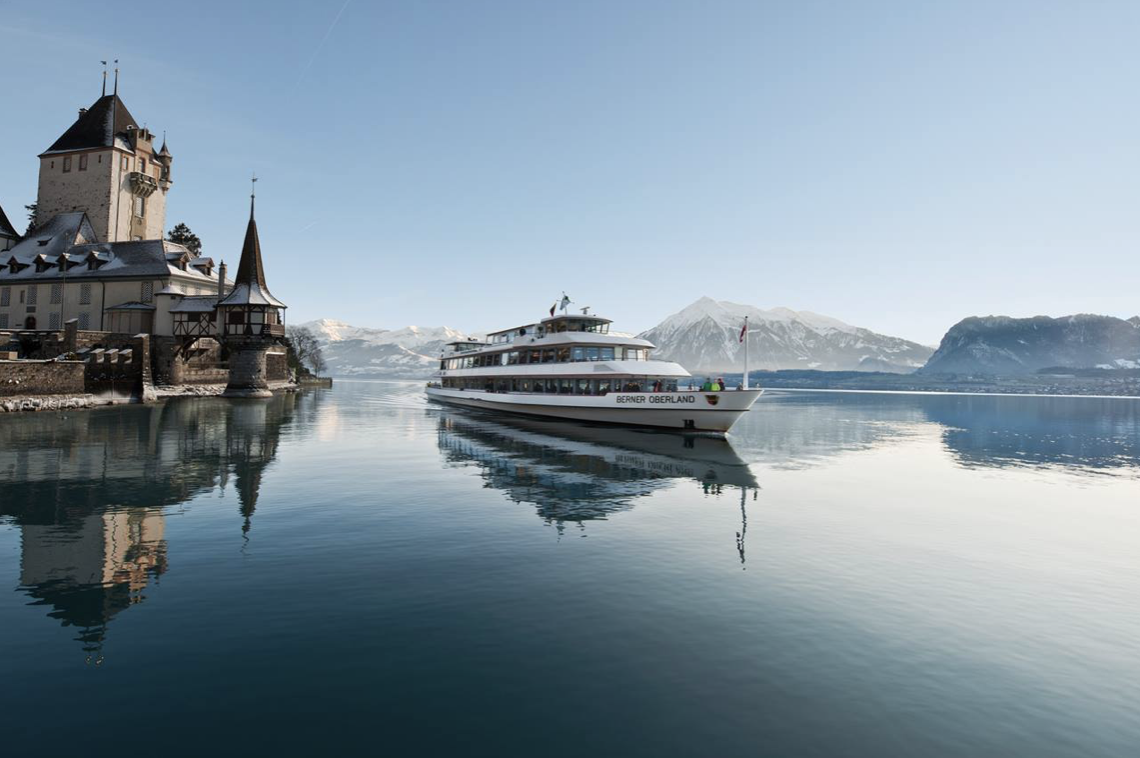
[572,367]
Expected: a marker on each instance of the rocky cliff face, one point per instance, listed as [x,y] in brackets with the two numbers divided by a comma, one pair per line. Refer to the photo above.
[1004,345]
[705,337]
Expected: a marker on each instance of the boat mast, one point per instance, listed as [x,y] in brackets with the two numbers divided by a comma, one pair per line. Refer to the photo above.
[744,337]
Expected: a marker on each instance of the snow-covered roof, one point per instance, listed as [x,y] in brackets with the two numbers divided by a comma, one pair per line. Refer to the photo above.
[56,236]
[195,305]
[251,294]
[69,235]
[249,282]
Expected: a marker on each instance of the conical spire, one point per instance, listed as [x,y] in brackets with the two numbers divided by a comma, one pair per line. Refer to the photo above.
[250,269]
[249,281]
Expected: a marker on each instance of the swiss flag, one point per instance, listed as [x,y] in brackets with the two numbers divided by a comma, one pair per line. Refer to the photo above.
[744,330]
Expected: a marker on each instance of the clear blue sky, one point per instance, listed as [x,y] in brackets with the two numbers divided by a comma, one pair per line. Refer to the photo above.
[898,165]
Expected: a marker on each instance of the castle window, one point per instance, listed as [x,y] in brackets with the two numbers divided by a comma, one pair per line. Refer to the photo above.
[66,164]
[53,320]
[84,320]
[32,294]
[126,163]
[140,207]
[142,165]
[3,320]
[147,292]
[85,294]
[83,162]
[56,294]
[5,297]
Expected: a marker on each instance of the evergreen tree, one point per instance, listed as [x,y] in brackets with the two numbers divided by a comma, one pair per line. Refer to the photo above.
[183,236]
[31,209]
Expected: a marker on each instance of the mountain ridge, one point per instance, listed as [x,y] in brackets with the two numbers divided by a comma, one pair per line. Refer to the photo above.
[704,337]
[1008,345]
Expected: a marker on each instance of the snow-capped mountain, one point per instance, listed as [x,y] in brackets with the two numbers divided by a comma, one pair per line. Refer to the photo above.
[1004,345]
[408,353]
[705,337]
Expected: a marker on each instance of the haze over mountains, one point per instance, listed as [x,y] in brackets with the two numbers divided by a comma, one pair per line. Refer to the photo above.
[408,353]
[704,338]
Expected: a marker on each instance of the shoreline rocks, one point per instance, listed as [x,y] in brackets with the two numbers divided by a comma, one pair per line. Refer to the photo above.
[32,403]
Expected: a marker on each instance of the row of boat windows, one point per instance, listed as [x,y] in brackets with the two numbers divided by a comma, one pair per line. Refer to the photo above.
[546,355]
[561,325]
[562,386]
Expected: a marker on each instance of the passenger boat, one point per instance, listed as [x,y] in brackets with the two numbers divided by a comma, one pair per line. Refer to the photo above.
[571,367]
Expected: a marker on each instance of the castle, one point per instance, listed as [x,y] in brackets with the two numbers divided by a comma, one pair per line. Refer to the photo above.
[95,260]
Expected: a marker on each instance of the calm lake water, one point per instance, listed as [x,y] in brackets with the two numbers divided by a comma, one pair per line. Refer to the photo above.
[357,571]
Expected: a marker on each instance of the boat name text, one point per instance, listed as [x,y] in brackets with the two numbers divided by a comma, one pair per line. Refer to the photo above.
[671,399]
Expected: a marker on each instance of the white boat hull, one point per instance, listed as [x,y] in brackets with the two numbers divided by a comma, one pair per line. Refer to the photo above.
[681,411]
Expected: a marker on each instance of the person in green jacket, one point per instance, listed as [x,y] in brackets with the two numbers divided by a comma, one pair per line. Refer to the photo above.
[707,386]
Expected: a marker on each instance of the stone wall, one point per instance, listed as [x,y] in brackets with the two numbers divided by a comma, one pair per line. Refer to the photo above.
[248,366]
[41,378]
[201,363]
[276,366]
[89,190]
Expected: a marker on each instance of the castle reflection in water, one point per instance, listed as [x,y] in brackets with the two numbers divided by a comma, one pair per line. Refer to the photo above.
[88,492]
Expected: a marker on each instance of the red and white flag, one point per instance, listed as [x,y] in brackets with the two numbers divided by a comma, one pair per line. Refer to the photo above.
[744,329]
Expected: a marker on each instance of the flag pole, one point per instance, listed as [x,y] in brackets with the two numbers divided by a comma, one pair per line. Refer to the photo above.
[746,352]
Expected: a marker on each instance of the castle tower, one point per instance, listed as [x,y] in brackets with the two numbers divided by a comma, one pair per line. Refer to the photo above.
[106,165]
[251,320]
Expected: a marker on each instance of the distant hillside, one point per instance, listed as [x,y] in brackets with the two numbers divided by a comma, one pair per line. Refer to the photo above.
[408,353]
[704,337]
[1004,345]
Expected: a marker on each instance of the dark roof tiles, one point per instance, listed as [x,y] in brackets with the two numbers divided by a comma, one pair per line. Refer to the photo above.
[249,282]
[6,228]
[96,127]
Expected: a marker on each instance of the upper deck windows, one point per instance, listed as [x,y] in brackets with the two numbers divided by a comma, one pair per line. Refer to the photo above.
[532,356]
[554,325]
[510,335]
[467,347]
[576,324]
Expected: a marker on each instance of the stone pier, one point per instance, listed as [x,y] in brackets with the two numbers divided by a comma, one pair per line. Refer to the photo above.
[248,375]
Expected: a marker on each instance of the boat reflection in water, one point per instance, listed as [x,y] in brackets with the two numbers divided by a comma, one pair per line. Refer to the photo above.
[573,473]
[90,494]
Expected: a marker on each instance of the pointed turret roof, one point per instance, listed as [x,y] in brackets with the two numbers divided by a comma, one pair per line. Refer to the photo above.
[97,126]
[249,283]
